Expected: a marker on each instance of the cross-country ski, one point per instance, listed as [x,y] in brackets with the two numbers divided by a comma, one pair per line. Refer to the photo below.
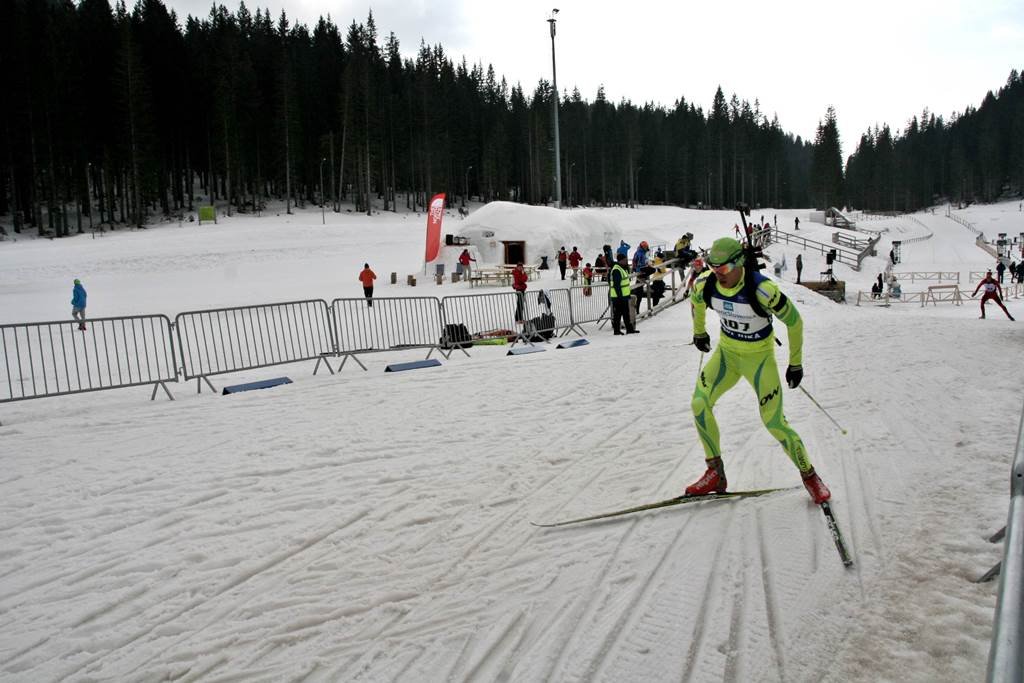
[678,500]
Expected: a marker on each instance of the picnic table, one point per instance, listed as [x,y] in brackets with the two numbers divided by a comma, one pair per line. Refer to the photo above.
[499,275]
[490,276]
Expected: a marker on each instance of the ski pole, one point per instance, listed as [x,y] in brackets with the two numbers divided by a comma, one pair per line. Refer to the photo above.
[806,393]
[701,365]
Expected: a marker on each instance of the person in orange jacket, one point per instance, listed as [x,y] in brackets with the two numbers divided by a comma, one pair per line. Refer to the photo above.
[367,276]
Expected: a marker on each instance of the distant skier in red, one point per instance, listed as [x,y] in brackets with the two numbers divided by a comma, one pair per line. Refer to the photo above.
[993,292]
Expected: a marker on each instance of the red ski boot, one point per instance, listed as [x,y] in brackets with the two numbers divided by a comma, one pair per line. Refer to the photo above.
[815,486]
[712,481]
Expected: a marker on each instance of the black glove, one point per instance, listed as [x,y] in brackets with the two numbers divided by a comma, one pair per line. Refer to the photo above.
[794,373]
[702,342]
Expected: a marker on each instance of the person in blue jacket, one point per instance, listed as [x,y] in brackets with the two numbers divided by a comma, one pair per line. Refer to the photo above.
[640,257]
[78,304]
[623,249]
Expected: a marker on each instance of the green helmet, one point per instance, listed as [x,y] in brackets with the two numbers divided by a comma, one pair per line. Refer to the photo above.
[725,250]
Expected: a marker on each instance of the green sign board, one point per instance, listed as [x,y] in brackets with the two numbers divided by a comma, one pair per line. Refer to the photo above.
[207,213]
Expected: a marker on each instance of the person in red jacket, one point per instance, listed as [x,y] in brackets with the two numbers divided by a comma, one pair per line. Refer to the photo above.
[575,258]
[464,260]
[367,276]
[519,279]
[993,292]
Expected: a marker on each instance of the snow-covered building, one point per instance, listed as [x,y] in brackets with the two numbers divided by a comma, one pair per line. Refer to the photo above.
[505,232]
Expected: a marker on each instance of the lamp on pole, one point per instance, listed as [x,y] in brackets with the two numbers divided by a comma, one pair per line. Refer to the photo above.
[554,106]
[323,215]
[636,187]
[466,184]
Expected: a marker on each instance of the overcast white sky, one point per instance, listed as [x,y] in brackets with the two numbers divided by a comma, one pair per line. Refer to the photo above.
[876,61]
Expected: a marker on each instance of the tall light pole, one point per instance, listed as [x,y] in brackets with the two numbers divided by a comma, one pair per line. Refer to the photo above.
[88,194]
[636,187]
[323,215]
[568,183]
[554,103]
[466,185]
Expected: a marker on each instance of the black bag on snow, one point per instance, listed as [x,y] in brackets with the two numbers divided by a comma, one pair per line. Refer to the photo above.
[540,328]
[456,336]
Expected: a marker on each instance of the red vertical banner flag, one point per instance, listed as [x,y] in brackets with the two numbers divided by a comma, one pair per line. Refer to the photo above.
[434,215]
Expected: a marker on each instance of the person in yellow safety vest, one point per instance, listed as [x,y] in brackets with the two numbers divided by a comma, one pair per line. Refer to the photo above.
[619,292]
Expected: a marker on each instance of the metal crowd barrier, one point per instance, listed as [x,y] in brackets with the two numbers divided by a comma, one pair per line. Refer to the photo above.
[57,358]
[389,324]
[546,311]
[592,307]
[48,359]
[1006,656]
[217,341]
[486,316]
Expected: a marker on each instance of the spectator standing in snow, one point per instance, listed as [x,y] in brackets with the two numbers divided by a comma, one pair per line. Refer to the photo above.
[1013,271]
[640,257]
[78,296]
[619,292]
[640,289]
[1000,269]
[575,257]
[519,279]
[796,222]
[892,256]
[367,276]
[993,292]
[799,267]
[623,249]
[588,277]
[600,268]
[464,261]
[562,257]
[657,280]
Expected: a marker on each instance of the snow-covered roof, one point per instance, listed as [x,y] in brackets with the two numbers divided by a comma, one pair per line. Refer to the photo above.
[543,229]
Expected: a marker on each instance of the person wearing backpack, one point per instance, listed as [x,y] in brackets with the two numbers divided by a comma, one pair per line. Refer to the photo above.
[746,303]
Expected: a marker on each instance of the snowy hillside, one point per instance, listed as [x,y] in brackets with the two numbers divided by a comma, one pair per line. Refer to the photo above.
[376,527]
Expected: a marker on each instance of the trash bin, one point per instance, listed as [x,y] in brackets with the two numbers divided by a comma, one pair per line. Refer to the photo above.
[439,270]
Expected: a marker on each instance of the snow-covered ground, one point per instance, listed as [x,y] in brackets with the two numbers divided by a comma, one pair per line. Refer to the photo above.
[376,527]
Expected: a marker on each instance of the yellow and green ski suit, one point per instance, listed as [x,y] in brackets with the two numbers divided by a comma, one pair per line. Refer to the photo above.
[746,348]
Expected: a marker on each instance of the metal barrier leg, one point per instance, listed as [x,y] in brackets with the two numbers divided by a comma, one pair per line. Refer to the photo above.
[353,357]
[199,384]
[448,355]
[162,386]
[323,359]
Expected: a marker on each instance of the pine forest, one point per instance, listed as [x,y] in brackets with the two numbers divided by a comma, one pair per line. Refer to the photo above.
[119,116]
